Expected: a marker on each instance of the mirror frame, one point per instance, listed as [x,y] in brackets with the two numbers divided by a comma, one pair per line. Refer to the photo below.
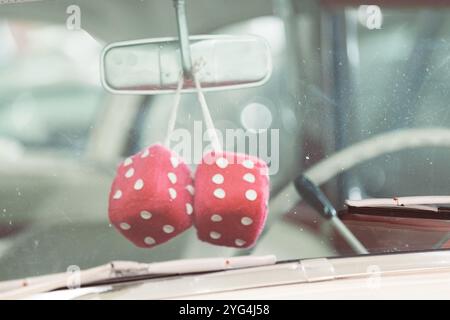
[190,90]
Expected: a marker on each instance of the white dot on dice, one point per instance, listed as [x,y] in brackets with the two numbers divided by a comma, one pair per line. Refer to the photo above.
[239,242]
[127,162]
[246,221]
[145,154]
[251,195]
[189,208]
[139,184]
[174,161]
[190,189]
[125,226]
[129,173]
[219,193]
[216,218]
[146,215]
[117,195]
[249,178]
[222,163]
[172,177]
[248,164]
[149,240]
[172,193]
[168,228]
[218,178]
[215,235]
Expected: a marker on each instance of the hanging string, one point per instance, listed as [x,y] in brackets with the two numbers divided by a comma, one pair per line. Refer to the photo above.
[207,115]
[215,142]
[174,111]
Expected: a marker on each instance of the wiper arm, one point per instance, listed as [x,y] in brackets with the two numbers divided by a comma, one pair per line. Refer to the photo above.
[121,271]
[319,201]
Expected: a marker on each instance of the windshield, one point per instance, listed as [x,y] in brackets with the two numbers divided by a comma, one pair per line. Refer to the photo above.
[360,90]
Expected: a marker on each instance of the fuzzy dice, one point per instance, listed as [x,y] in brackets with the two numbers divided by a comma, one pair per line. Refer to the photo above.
[151,198]
[231,201]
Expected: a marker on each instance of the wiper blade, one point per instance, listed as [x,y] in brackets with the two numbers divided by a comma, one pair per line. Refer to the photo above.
[120,271]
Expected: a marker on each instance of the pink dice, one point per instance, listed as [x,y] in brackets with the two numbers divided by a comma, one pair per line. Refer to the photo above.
[151,198]
[231,199]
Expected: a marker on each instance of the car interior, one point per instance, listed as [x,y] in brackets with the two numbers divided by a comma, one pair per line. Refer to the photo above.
[359,105]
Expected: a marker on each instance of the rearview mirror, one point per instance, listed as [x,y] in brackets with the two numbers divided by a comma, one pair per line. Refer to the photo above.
[153,66]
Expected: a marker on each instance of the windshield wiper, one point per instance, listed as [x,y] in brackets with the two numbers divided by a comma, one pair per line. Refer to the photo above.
[319,201]
[120,271]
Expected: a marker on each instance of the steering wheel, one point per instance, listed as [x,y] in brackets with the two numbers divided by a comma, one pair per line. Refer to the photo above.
[354,155]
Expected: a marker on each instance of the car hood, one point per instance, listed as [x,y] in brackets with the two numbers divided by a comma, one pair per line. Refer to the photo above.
[262,277]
